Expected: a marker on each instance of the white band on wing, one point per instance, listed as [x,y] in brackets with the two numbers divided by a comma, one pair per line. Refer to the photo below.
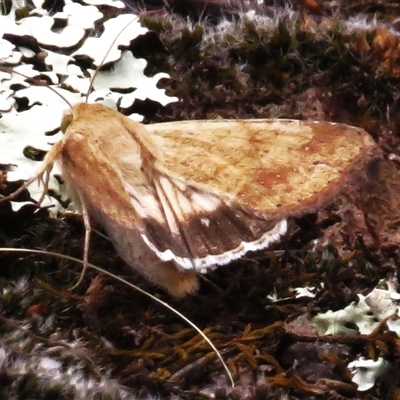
[264,241]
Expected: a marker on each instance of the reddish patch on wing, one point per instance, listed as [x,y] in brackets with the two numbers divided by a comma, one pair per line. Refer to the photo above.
[312,147]
[325,136]
[270,179]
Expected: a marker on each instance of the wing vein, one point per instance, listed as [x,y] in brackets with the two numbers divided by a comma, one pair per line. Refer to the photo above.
[171,207]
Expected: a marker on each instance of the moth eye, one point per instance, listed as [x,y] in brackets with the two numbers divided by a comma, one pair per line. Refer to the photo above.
[66,120]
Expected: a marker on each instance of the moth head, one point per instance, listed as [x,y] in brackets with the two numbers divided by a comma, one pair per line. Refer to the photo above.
[66,120]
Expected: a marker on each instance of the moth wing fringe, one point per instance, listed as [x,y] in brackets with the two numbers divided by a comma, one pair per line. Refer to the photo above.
[243,248]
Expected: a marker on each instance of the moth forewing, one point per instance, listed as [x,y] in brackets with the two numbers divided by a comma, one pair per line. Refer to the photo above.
[229,183]
[262,164]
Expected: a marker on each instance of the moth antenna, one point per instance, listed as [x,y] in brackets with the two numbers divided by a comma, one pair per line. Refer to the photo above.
[101,234]
[138,289]
[36,82]
[88,228]
[104,58]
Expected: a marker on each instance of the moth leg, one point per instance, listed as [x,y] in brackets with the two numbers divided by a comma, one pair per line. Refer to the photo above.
[13,195]
[45,183]
[46,167]
[88,229]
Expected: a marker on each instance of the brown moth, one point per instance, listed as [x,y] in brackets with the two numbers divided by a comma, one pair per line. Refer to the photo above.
[176,198]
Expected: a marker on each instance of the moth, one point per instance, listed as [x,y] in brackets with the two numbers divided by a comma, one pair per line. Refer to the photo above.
[177,198]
